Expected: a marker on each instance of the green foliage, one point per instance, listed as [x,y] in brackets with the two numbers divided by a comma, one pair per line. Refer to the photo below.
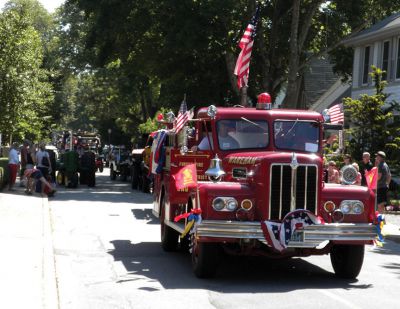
[373,124]
[3,172]
[24,90]
[152,124]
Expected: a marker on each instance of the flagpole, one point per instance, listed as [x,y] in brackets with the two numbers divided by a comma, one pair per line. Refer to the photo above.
[243,96]
[197,187]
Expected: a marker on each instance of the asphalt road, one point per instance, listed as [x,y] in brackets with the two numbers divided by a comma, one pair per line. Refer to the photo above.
[108,255]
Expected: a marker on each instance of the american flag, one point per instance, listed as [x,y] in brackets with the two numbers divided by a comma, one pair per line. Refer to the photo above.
[242,67]
[336,113]
[183,116]
[278,234]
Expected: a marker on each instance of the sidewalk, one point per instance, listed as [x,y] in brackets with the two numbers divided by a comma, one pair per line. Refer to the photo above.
[392,228]
[27,270]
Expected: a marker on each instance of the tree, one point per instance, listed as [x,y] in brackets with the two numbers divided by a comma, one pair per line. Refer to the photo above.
[373,125]
[24,90]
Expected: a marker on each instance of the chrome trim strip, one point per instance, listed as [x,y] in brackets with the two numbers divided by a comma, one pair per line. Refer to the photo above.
[305,188]
[306,176]
[311,236]
[280,199]
[293,189]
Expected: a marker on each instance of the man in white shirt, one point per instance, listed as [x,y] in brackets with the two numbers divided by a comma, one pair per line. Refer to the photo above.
[13,164]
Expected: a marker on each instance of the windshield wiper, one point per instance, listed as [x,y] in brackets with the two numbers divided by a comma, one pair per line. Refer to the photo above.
[255,124]
[291,129]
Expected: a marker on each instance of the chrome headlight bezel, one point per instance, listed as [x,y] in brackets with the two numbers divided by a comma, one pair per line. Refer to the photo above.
[229,203]
[352,207]
[345,207]
[218,204]
[358,208]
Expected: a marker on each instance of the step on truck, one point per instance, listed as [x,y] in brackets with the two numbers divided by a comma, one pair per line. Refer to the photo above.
[260,190]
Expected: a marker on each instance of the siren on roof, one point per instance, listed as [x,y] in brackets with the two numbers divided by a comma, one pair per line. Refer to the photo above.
[264,101]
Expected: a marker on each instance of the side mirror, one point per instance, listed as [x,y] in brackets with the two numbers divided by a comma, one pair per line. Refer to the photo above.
[325,114]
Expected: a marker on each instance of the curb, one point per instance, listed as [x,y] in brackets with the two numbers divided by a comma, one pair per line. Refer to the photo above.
[49,277]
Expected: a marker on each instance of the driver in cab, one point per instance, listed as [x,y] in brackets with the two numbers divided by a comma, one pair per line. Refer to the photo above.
[225,140]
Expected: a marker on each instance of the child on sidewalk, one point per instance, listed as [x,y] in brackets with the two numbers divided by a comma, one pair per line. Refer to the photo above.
[35,174]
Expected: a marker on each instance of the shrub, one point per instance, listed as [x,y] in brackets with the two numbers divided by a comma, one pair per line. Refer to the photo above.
[3,172]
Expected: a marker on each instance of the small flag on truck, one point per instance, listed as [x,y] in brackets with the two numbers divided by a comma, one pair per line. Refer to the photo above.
[186,177]
[336,113]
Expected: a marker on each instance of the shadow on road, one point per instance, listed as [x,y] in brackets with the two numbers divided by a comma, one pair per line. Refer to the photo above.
[106,190]
[389,248]
[236,274]
[145,214]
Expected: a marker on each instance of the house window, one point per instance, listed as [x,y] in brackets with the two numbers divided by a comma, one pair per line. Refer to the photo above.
[398,60]
[366,65]
[385,60]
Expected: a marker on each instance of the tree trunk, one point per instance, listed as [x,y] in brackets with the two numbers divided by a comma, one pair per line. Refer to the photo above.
[243,96]
[230,66]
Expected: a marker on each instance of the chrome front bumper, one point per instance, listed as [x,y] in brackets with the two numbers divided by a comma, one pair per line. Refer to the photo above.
[308,237]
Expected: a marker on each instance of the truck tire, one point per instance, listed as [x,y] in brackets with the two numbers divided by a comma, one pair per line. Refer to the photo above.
[113,175]
[347,260]
[205,258]
[169,237]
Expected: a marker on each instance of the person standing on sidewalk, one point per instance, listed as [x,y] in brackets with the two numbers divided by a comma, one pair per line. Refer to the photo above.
[43,160]
[24,160]
[13,164]
[366,166]
[384,178]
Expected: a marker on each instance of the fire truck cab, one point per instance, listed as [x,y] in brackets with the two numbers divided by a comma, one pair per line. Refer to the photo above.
[260,191]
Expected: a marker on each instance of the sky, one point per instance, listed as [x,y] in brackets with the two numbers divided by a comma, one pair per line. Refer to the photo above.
[50,5]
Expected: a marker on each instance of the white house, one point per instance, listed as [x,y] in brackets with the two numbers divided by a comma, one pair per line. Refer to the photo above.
[378,45]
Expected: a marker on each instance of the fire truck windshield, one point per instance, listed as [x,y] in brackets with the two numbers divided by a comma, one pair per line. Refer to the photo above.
[242,133]
[296,135]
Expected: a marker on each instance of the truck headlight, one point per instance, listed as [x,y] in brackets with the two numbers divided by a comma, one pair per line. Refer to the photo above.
[231,204]
[223,203]
[345,207]
[218,204]
[358,208]
[355,207]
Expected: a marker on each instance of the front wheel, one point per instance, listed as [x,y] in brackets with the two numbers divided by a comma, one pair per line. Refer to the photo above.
[169,237]
[205,258]
[347,260]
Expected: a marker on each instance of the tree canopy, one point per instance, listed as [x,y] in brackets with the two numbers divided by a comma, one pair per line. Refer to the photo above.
[24,90]
[112,64]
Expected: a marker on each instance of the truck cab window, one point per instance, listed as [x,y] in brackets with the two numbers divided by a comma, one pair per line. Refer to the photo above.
[234,134]
[296,135]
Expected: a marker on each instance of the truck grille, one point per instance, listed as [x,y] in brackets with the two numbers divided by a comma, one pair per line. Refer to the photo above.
[283,198]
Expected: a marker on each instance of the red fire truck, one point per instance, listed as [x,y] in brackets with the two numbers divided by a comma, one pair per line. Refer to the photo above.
[260,191]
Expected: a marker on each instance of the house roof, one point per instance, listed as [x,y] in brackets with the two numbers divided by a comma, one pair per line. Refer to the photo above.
[382,29]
